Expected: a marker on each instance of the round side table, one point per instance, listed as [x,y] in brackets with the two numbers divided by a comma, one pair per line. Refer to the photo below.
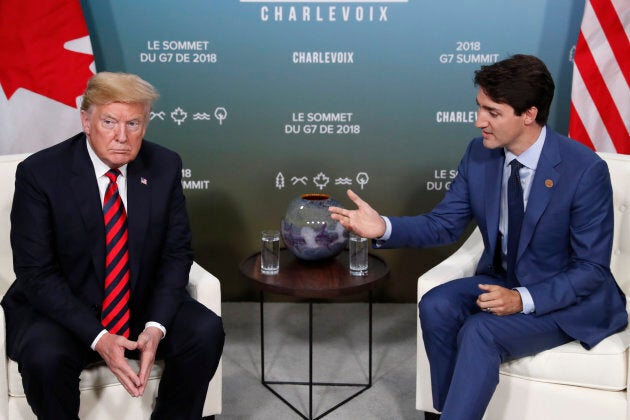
[326,279]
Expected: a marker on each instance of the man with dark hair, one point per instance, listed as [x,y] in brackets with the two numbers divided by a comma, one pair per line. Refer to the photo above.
[101,250]
[543,205]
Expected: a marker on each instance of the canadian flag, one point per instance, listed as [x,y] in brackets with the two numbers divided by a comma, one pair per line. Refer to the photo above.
[600,97]
[45,62]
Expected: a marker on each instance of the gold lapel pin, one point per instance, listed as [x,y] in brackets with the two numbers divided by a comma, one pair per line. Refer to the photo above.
[548,183]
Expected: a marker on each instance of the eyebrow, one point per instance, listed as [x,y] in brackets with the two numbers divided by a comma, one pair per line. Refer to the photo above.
[487,108]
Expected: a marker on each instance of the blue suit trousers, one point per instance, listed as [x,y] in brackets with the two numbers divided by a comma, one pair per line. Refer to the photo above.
[465,345]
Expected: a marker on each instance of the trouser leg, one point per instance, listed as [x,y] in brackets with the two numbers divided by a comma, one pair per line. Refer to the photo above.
[191,350]
[50,360]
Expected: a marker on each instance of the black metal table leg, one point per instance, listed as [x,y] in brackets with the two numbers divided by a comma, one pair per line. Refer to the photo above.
[311,383]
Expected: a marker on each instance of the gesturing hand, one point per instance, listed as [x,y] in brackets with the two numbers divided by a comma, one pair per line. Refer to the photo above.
[499,300]
[364,221]
[112,349]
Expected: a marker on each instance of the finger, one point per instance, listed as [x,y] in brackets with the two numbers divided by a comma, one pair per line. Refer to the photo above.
[486,287]
[355,198]
[130,345]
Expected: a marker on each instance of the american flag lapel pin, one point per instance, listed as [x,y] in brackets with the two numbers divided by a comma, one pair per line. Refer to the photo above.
[143,180]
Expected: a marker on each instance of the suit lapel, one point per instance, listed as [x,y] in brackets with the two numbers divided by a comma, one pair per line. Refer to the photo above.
[87,199]
[543,188]
[138,211]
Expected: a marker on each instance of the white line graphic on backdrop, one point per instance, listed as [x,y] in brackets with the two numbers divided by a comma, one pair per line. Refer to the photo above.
[303,180]
[363,179]
[279,181]
[343,181]
[201,116]
[321,180]
[159,115]
[220,114]
[179,115]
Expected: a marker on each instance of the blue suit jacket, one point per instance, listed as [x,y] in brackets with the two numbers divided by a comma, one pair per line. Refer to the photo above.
[566,239]
[58,239]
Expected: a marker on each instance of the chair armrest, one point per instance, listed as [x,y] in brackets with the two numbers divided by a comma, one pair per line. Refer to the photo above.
[4,374]
[462,263]
[205,288]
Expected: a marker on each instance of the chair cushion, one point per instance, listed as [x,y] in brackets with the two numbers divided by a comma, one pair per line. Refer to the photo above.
[604,367]
[94,377]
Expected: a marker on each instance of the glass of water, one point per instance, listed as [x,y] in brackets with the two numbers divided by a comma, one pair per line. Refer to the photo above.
[270,252]
[358,251]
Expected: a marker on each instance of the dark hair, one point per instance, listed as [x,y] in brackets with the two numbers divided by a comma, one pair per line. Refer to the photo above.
[521,81]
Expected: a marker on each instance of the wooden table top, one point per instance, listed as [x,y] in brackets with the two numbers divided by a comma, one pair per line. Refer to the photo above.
[329,278]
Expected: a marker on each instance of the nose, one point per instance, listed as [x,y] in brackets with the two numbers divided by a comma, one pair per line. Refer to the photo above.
[121,133]
[480,122]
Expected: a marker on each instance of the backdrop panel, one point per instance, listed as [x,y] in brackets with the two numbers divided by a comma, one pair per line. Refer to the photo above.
[267,100]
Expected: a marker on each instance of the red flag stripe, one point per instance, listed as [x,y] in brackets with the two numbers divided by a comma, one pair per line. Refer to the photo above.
[600,99]
[598,90]
[615,34]
[577,130]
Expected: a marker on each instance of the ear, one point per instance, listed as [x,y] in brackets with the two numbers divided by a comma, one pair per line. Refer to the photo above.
[85,122]
[530,115]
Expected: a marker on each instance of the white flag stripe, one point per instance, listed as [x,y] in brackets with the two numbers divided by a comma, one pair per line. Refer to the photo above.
[585,108]
[611,72]
[623,11]
[601,44]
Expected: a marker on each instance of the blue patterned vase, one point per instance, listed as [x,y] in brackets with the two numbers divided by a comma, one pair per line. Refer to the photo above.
[309,232]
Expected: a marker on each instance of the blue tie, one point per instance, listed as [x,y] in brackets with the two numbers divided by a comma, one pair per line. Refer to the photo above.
[516,210]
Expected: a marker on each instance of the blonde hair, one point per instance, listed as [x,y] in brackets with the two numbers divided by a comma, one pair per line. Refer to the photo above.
[106,87]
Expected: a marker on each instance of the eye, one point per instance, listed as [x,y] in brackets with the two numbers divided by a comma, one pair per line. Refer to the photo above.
[133,125]
[109,123]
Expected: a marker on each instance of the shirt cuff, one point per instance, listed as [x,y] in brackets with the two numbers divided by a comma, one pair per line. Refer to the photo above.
[98,337]
[388,232]
[526,298]
[156,325]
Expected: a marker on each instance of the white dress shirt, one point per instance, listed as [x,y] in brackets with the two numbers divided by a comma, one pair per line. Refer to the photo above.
[100,169]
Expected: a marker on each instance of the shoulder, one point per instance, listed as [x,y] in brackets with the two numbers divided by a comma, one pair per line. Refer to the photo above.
[154,154]
[56,158]
[573,153]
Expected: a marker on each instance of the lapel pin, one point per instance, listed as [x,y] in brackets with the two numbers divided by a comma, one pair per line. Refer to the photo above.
[143,180]
[548,183]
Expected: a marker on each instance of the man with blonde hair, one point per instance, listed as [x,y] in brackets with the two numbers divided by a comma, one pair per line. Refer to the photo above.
[101,248]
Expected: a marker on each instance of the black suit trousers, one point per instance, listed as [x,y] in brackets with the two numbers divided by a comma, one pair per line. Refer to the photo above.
[50,360]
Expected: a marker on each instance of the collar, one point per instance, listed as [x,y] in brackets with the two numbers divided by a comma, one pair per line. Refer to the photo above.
[529,157]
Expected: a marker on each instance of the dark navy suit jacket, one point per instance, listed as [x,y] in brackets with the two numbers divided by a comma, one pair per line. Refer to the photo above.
[58,241]
[566,239]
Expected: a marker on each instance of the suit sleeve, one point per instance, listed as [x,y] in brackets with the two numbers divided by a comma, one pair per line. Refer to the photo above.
[444,224]
[176,257]
[590,244]
[35,259]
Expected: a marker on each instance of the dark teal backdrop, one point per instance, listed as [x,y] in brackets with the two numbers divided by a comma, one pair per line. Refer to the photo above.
[267,100]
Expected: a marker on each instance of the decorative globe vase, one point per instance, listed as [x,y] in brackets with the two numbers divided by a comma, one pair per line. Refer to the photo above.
[309,232]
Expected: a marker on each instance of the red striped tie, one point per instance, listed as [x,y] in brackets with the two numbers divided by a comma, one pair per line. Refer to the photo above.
[115,315]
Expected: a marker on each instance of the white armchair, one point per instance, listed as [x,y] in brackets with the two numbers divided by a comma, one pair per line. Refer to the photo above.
[567,381]
[102,397]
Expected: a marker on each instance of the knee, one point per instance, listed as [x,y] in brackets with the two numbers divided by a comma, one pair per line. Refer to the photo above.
[48,364]
[208,333]
[476,331]
[435,307]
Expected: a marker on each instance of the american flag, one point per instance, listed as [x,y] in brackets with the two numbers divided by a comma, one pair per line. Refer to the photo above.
[600,97]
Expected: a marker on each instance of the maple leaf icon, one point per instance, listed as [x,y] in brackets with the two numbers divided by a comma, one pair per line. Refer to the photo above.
[179,115]
[321,180]
[33,55]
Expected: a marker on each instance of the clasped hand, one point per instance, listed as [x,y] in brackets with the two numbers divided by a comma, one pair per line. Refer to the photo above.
[112,349]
